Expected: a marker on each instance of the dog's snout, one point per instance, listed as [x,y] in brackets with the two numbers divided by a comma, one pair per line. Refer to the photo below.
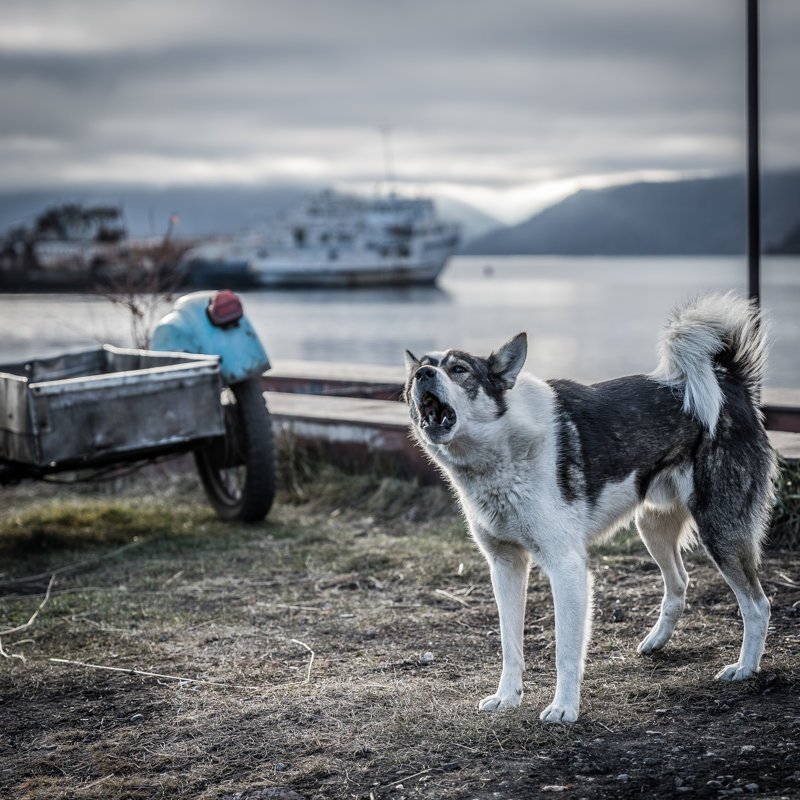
[425,373]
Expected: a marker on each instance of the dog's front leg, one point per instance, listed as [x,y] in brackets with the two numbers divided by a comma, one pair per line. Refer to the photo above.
[571,585]
[509,564]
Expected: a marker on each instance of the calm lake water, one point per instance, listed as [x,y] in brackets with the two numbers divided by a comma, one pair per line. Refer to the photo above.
[588,318]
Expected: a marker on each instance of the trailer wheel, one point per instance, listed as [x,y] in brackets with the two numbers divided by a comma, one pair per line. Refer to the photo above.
[239,470]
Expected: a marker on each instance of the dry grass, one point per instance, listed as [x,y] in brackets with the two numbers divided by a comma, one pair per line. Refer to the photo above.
[369,573]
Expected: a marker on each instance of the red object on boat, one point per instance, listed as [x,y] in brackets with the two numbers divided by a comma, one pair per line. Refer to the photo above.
[225,309]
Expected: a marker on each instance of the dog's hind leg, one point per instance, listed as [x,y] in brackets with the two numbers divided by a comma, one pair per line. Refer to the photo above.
[509,565]
[731,532]
[571,585]
[661,533]
[731,538]
[738,563]
[733,480]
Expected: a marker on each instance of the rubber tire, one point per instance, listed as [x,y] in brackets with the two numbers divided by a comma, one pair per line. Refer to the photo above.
[252,418]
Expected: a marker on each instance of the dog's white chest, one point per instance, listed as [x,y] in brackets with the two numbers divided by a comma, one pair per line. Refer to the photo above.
[501,502]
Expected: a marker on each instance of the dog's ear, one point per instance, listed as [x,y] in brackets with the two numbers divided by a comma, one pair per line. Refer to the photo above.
[412,362]
[507,362]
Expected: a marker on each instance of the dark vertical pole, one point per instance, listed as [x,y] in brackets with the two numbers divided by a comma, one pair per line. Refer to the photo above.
[753,169]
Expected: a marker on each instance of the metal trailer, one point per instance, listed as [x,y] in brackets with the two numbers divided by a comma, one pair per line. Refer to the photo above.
[91,410]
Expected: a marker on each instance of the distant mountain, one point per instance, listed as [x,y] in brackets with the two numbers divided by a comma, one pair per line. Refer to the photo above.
[790,246]
[474,223]
[691,217]
[202,210]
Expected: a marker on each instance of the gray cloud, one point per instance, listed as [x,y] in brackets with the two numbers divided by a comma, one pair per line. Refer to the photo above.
[494,95]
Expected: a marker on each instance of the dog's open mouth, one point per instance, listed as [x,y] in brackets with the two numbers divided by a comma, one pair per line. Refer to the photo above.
[434,412]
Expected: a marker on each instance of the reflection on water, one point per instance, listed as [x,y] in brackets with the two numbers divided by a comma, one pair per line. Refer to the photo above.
[590,318]
[408,295]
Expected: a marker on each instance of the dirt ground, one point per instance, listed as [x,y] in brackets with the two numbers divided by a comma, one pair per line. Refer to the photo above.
[339,650]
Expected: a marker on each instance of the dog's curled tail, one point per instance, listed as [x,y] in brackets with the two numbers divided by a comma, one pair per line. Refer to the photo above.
[711,333]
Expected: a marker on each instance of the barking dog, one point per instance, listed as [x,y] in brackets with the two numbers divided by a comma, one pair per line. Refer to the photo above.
[542,468]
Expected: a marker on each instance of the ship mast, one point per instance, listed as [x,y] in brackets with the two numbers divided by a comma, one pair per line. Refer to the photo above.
[386,136]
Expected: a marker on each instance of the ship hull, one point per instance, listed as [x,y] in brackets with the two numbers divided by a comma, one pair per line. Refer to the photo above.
[290,274]
[217,272]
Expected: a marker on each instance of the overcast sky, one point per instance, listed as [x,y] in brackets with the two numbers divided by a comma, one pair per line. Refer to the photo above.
[507,104]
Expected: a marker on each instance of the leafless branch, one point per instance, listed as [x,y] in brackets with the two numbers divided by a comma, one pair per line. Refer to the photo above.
[451,596]
[68,567]
[35,614]
[147,674]
[310,661]
[27,625]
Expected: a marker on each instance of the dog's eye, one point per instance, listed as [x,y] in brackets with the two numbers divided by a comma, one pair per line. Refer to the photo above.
[458,369]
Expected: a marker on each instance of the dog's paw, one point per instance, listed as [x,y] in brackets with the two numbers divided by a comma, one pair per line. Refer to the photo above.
[559,713]
[735,672]
[500,702]
[651,643]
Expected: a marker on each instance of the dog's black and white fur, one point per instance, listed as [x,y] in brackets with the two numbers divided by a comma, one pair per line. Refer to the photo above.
[542,468]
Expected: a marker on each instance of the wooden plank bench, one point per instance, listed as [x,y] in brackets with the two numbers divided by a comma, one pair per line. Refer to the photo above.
[350,430]
[357,430]
[371,381]
[782,409]
[781,406]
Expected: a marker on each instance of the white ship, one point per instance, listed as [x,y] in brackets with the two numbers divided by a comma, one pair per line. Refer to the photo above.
[335,240]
